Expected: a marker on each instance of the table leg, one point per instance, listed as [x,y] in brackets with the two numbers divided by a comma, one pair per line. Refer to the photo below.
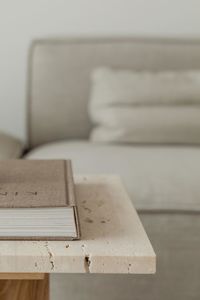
[24,287]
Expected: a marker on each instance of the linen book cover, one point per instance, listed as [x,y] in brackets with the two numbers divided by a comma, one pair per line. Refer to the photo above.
[37,200]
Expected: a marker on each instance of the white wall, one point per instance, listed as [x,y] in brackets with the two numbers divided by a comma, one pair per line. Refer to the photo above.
[23,20]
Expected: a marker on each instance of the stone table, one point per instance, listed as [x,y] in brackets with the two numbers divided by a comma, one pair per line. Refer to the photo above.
[113,240]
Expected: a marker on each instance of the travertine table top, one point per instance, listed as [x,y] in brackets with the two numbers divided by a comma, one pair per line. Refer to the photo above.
[113,238]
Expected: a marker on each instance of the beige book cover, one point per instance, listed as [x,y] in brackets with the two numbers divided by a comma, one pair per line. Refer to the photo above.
[37,184]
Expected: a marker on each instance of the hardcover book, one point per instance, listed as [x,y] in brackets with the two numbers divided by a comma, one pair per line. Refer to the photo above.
[37,200]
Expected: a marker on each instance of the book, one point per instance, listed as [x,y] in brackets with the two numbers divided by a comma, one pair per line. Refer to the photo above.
[37,200]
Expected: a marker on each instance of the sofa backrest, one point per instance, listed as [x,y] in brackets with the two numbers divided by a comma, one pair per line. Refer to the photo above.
[59,78]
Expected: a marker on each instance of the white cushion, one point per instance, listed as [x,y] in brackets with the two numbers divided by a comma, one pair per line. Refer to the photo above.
[145,107]
[157,178]
[10,147]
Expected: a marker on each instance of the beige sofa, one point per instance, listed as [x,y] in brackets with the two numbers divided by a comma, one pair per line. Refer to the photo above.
[163,181]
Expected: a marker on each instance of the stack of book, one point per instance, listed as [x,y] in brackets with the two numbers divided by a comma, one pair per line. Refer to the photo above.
[37,200]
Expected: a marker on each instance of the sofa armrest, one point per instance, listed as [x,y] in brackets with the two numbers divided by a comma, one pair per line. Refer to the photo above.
[10,147]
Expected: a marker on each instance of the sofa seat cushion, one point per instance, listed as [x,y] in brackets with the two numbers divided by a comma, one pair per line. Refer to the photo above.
[156,177]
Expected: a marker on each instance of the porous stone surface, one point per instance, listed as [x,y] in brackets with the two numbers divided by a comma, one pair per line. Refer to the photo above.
[113,239]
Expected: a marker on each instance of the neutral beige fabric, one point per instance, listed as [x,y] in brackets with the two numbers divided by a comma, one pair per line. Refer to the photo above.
[59,77]
[112,87]
[159,178]
[10,147]
[157,124]
[143,107]
[59,85]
